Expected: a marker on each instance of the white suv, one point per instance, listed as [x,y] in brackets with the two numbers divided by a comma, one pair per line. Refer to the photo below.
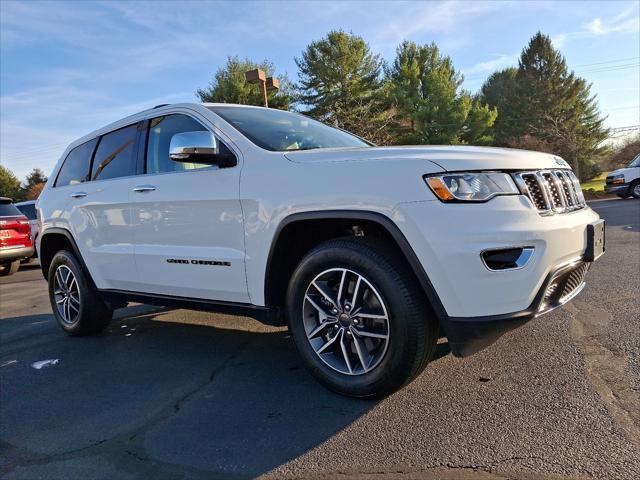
[366,253]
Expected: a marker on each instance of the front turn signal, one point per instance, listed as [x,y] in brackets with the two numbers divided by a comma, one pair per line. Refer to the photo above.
[439,188]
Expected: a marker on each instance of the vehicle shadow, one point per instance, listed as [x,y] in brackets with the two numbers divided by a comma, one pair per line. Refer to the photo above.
[30,266]
[206,397]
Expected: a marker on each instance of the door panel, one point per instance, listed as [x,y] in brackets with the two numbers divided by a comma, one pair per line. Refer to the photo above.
[189,235]
[188,225]
[101,223]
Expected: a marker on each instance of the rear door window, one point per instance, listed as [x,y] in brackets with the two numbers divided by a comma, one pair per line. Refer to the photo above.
[28,210]
[75,168]
[115,155]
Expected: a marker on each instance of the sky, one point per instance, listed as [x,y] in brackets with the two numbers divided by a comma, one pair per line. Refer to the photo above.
[67,68]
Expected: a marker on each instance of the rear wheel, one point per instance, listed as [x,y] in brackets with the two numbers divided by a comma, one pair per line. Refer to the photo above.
[358,320]
[9,268]
[77,307]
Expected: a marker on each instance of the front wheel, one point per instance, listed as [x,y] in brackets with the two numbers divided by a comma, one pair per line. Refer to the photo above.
[77,307]
[634,189]
[358,319]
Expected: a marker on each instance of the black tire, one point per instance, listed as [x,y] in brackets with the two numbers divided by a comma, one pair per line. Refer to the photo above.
[634,189]
[9,268]
[412,328]
[92,314]
[623,195]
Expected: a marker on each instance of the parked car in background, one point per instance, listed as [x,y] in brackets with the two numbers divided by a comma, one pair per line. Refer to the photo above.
[28,209]
[16,242]
[366,252]
[625,182]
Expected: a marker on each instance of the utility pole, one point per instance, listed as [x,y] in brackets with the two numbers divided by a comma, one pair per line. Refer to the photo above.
[266,83]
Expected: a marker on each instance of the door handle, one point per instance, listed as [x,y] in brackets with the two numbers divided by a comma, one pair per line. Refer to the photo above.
[144,188]
[79,195]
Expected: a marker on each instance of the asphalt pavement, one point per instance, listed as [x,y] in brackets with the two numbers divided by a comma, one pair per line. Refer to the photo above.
[176,394]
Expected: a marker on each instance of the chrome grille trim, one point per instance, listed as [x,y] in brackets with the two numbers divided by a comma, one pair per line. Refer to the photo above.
[551,191]
[567,188]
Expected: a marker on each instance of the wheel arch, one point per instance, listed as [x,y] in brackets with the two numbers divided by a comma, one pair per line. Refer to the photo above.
[299,232]
[52,241]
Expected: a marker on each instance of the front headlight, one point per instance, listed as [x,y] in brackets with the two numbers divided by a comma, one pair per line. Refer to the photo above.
[472,186]
[619,178]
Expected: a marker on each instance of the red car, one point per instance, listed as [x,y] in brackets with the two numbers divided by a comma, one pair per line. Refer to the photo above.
[15,237]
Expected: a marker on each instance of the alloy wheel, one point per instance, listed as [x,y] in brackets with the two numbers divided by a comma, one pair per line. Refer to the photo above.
[346,321]
[66,294]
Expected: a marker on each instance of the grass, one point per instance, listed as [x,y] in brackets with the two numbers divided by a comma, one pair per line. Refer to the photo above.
[596,184]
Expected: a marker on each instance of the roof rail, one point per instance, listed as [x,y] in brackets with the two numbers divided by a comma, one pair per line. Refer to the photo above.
[161,105]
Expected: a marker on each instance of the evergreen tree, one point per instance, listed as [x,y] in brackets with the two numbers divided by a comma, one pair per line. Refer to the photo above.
[10,185]
[431,107]
[550,103]
[229,86]
[339,83]
[498,91]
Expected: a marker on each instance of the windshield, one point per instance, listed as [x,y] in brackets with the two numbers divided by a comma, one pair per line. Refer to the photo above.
[635,162]
[278,130]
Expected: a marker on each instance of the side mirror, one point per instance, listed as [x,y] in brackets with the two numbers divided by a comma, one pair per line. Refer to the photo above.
[199,147]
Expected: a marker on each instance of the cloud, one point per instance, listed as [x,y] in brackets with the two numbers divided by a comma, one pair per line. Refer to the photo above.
[626,22]
[500,61]
[414,18]
[559,40]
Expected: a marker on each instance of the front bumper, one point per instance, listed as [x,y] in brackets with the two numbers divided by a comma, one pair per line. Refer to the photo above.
[8,254]
[467,336]
[477,304]
[616,188]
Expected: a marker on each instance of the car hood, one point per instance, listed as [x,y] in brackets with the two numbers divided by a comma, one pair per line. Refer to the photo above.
[450,158]
[620,171]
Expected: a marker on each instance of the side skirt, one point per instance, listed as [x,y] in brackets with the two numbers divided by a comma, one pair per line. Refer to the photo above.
[262,314]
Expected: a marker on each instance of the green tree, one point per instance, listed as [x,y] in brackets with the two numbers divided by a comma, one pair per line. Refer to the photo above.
[229,86]
[431,106]
[10,185]
[340,83]
[552,104]
[498,91]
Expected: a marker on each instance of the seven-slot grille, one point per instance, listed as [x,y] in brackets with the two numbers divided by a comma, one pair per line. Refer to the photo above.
[551,191]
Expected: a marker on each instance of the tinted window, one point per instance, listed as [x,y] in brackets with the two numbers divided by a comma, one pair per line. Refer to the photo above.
[278,130]
[75,168]
[114,156]
[28,210]
[8,210]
